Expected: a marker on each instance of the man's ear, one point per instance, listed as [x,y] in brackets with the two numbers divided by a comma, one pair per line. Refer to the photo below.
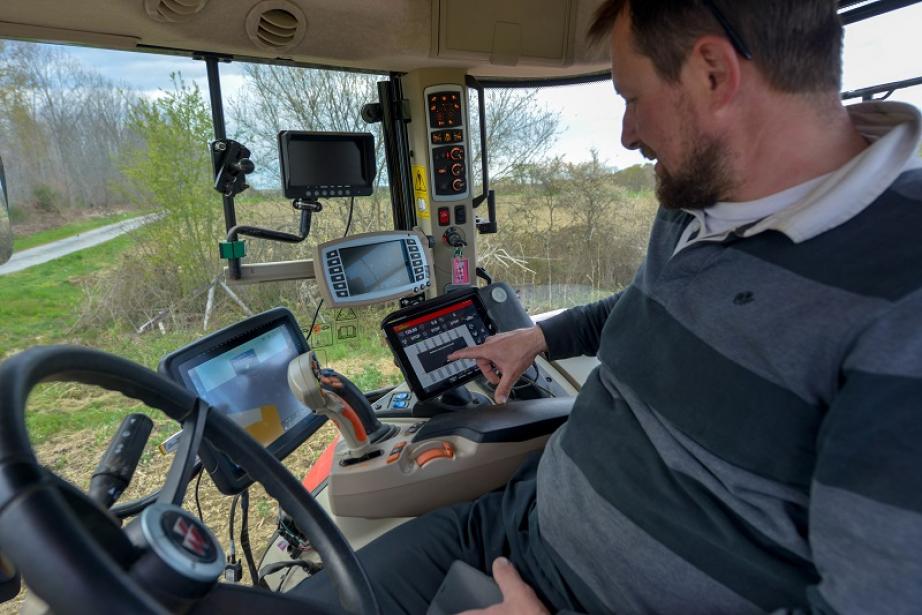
[715,70]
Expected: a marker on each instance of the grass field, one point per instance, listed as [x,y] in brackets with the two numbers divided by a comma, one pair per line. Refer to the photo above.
[70,425]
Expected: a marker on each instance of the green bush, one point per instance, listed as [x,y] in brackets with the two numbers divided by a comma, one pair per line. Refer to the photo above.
[45,198]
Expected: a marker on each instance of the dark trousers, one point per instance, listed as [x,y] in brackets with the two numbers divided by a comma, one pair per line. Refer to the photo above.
[406,566]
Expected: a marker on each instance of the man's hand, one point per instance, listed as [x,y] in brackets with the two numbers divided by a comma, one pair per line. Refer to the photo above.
[509,354]
[518,597]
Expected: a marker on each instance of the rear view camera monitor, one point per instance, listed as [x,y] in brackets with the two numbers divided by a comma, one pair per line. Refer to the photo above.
[326,164]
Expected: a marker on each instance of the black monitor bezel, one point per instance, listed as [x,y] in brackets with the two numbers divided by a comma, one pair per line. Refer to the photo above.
[366,143]
[397,318]
[227,476]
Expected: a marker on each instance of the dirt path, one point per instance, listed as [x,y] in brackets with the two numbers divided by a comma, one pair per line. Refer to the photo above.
[56,249]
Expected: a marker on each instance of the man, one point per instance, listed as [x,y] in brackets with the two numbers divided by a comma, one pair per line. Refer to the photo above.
[752,437]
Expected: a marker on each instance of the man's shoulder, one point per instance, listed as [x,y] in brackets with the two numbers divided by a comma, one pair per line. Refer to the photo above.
[876,253]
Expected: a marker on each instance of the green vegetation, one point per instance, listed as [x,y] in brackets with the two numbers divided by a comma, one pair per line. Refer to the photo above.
[69,230]
[171,167]
[40,305]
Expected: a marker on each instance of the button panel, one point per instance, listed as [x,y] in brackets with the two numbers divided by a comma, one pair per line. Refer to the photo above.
[447,143]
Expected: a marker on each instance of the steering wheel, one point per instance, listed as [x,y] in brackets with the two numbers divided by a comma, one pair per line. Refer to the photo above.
[74,555]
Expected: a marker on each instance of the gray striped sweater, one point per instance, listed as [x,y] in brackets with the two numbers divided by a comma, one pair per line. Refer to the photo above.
[752,439]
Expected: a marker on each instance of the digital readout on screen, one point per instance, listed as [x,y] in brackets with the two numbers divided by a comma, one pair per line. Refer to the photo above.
[428,340]
[376,267]
[249,384]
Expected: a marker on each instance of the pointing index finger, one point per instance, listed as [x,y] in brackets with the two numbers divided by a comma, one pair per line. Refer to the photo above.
[471,352]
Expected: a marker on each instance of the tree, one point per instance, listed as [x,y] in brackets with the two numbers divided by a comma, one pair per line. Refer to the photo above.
[171,166]
[62,128]
[519,130]
[637,178]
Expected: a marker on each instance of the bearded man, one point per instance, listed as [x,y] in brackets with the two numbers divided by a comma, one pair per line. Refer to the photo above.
[751,439]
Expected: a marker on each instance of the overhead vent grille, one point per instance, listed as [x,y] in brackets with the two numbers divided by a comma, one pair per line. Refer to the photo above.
[276,25]
[173,11]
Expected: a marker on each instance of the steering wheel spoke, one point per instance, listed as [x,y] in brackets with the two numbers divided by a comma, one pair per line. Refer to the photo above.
[177,479]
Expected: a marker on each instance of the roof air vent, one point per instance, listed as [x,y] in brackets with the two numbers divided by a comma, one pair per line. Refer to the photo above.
[173,11]
[276,25]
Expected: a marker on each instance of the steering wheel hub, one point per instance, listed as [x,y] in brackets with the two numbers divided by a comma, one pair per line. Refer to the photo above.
[180,541]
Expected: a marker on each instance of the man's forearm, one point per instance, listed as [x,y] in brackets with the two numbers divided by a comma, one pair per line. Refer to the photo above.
[578,330]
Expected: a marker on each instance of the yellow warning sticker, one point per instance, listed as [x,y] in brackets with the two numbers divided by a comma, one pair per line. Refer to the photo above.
[419,181]
[421,191]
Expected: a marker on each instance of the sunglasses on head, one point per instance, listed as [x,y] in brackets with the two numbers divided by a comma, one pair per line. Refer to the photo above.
[735,39]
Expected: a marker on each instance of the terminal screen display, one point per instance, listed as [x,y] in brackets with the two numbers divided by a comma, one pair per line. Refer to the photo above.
[249,384]
[423,342]
[376,267]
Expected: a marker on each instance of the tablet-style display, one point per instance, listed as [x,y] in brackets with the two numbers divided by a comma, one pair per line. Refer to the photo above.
[242,372]
[423,337]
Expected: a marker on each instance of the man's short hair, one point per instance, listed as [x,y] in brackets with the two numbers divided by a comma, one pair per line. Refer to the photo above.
[796,44]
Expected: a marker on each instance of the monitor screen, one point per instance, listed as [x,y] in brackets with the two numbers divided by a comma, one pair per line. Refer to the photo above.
[326,164]
[376,267]
[241,371]
[249,384]
[373,268]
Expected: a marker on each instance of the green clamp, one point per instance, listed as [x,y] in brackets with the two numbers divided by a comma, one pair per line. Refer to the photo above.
[232,249]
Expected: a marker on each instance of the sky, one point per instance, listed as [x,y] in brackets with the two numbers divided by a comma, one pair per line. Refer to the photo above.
[880,50]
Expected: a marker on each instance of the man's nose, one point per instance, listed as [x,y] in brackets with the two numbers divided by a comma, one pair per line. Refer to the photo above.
[629,138]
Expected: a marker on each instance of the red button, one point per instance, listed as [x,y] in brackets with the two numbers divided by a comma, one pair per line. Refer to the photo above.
[444,216]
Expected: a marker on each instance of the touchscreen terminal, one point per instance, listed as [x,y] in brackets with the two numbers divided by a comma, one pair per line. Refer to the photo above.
[242,372]
[372,268]
[423,337]
[249,384]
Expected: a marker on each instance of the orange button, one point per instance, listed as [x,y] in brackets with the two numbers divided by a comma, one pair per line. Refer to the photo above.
[445,451]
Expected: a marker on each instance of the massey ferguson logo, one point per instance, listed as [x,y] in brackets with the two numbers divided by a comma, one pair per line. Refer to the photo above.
[191,538]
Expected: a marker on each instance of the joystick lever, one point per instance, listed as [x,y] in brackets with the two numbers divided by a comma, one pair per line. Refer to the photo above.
[307,383]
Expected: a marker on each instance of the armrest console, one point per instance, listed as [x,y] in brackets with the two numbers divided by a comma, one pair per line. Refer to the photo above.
[515,421]
[451,458]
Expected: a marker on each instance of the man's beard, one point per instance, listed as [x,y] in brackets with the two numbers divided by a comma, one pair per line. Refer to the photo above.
[703,179]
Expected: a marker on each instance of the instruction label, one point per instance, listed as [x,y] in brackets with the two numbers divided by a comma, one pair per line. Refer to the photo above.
[345,314]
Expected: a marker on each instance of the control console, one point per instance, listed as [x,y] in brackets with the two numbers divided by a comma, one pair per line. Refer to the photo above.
[448,142]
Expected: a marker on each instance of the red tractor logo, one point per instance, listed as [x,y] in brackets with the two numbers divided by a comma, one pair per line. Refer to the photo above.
[192,539]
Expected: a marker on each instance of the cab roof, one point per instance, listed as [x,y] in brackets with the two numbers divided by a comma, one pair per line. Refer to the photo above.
[528,40]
